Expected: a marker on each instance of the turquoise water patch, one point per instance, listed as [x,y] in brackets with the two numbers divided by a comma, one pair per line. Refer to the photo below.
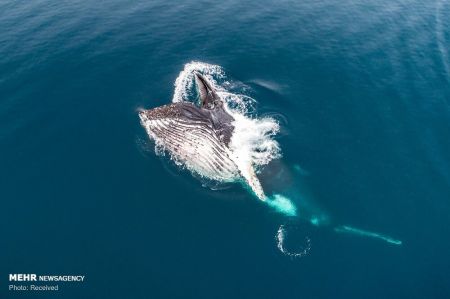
[282,204]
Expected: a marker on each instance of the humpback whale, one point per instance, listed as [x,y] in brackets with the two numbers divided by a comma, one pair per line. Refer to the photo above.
[224,145]
[198,136]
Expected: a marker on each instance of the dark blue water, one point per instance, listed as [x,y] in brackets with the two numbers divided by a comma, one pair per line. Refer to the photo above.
[363,92]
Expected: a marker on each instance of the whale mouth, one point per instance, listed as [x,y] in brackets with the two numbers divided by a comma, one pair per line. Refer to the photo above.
[208,96]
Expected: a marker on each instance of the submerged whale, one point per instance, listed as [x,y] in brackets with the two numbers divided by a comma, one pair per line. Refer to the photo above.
[199,136]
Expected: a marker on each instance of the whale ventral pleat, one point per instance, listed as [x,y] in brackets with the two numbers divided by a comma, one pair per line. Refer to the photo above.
[166,111]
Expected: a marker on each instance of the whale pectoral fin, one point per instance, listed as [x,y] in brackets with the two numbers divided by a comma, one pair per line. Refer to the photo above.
[252,180]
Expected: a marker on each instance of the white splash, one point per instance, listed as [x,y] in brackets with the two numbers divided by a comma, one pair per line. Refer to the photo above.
[252,147]
[252,140]
[281,237]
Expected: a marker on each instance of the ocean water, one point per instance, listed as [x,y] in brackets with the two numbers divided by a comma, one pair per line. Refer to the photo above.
[361,93]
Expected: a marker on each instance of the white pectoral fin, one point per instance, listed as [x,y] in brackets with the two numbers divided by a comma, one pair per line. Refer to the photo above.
[252,180]
[248,173]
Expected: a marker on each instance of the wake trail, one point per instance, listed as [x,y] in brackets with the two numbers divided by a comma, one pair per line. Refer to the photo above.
[440,37]
[365,233]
